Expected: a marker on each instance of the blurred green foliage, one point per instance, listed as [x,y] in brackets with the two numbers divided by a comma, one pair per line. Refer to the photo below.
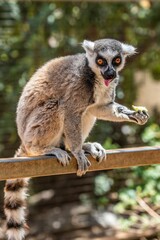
[151,135]
[34,32]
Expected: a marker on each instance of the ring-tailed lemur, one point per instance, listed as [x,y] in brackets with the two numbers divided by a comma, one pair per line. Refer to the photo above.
[59,106]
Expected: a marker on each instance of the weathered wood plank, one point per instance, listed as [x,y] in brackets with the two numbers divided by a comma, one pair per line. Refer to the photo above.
[45,165]
[110,1]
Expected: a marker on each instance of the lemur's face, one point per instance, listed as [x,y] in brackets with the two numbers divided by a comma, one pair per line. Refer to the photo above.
[106,58]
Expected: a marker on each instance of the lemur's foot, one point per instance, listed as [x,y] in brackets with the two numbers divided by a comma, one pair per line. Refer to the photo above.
[96,150]
[139,117]
[62,156]
[83,163]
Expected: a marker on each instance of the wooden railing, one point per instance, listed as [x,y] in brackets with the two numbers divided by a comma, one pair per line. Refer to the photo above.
[45,165]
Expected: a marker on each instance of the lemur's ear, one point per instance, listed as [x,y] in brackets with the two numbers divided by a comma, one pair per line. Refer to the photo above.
[88,46]
[128,50]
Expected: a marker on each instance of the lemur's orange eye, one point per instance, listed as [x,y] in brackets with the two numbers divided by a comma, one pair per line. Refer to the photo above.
[117,60]
[100,61]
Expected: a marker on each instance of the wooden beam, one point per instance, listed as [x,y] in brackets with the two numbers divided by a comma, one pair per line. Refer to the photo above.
[21,167]
[92,1]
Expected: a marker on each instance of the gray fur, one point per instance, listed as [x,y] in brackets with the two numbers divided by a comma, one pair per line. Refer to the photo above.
[63,99]
[104,44]
[58,107]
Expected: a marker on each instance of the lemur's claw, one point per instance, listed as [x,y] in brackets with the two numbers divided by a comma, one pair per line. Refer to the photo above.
[96,150]
[145,113]
[61,155]
[140,117]
[82,162]
[139,114]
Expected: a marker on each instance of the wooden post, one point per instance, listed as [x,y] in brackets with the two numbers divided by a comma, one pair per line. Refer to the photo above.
[21,167]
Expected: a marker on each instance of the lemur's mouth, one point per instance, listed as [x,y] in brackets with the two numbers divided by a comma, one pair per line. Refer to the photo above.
[108,76]
[108,81]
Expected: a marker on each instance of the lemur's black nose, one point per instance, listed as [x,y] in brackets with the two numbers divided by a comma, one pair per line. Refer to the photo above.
[109,74]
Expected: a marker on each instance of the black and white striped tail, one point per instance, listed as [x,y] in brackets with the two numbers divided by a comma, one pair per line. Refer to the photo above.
[14,206]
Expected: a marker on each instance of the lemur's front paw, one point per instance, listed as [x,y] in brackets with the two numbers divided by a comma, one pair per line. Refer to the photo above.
[96,150]
[140,117]
[82,162]
[62,156]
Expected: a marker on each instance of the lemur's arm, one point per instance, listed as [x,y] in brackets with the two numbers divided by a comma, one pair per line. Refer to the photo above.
[119,113]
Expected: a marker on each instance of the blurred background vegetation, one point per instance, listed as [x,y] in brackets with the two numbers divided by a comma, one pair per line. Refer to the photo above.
[31,33]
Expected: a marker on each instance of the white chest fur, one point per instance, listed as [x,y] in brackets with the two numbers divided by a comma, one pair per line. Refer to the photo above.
[104,94]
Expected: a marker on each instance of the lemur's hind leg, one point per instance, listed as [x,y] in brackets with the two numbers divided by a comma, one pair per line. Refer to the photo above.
[96,150]
[44,132]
